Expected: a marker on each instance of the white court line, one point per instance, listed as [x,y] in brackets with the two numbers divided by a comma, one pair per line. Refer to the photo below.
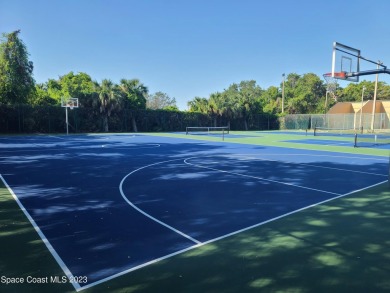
[198,244]
[290,213]
[146,214]
[259,178]
[223,236]
[43,237]
[141,266]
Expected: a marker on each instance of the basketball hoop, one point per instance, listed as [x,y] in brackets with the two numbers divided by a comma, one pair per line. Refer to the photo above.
[331,81]
[70,103]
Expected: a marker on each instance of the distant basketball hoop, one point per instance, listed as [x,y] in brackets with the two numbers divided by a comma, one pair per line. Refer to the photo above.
[70,103]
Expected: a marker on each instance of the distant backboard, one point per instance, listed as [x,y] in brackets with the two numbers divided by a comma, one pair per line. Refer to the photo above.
[70,103]
[345,59]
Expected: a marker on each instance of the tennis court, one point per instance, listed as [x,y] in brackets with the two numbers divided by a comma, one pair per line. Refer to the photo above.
[354,139]
[107,205]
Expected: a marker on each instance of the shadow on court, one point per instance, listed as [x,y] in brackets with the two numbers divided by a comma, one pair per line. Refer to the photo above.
[340,246]
[72,193]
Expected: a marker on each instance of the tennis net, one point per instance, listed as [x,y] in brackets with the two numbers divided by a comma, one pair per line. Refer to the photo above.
[200,130]
[372,139]
[324,131]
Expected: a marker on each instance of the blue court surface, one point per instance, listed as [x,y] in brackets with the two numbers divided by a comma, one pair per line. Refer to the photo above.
[323,142]
[106,205]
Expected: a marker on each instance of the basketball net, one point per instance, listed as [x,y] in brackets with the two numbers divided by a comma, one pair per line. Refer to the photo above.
[331,85]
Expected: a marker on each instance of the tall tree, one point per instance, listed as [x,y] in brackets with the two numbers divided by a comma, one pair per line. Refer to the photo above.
[41,96]
[16,71]
[79,86]
[134,95]
[303,94]
[270,99]
[54,89]
[160,100]
[353,91]
[249,100]
[244,100]
[109,98]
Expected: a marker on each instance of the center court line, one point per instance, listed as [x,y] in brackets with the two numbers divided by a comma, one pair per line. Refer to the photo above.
[260,178]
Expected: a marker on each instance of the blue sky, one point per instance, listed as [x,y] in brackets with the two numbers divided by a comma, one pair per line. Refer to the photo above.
[192,48]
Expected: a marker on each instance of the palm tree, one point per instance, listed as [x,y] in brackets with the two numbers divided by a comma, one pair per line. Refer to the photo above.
[134,95]
[215,106]
[108,98]
[198,105]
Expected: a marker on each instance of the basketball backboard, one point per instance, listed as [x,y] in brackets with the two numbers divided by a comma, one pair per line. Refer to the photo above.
[345,59]
[69,102]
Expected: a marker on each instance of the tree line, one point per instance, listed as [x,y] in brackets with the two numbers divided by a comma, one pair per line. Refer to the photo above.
[303,94]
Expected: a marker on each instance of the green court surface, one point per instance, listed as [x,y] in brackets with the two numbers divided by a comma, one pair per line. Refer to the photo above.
[342,245]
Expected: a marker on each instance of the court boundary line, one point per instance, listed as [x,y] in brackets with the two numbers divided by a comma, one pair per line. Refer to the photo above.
[292,212]
[106,279]
[51,249]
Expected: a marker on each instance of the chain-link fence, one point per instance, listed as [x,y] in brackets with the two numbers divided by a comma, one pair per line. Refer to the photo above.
[366,121]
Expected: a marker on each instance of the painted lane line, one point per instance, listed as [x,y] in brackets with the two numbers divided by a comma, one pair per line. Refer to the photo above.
[145,213]
[43,237]
[260,178]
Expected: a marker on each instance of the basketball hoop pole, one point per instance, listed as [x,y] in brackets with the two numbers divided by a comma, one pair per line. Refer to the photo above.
[69,103]
[66,119]
[375,93]
[283,93]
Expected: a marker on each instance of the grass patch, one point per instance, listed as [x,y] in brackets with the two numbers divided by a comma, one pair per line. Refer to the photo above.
[22,253]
